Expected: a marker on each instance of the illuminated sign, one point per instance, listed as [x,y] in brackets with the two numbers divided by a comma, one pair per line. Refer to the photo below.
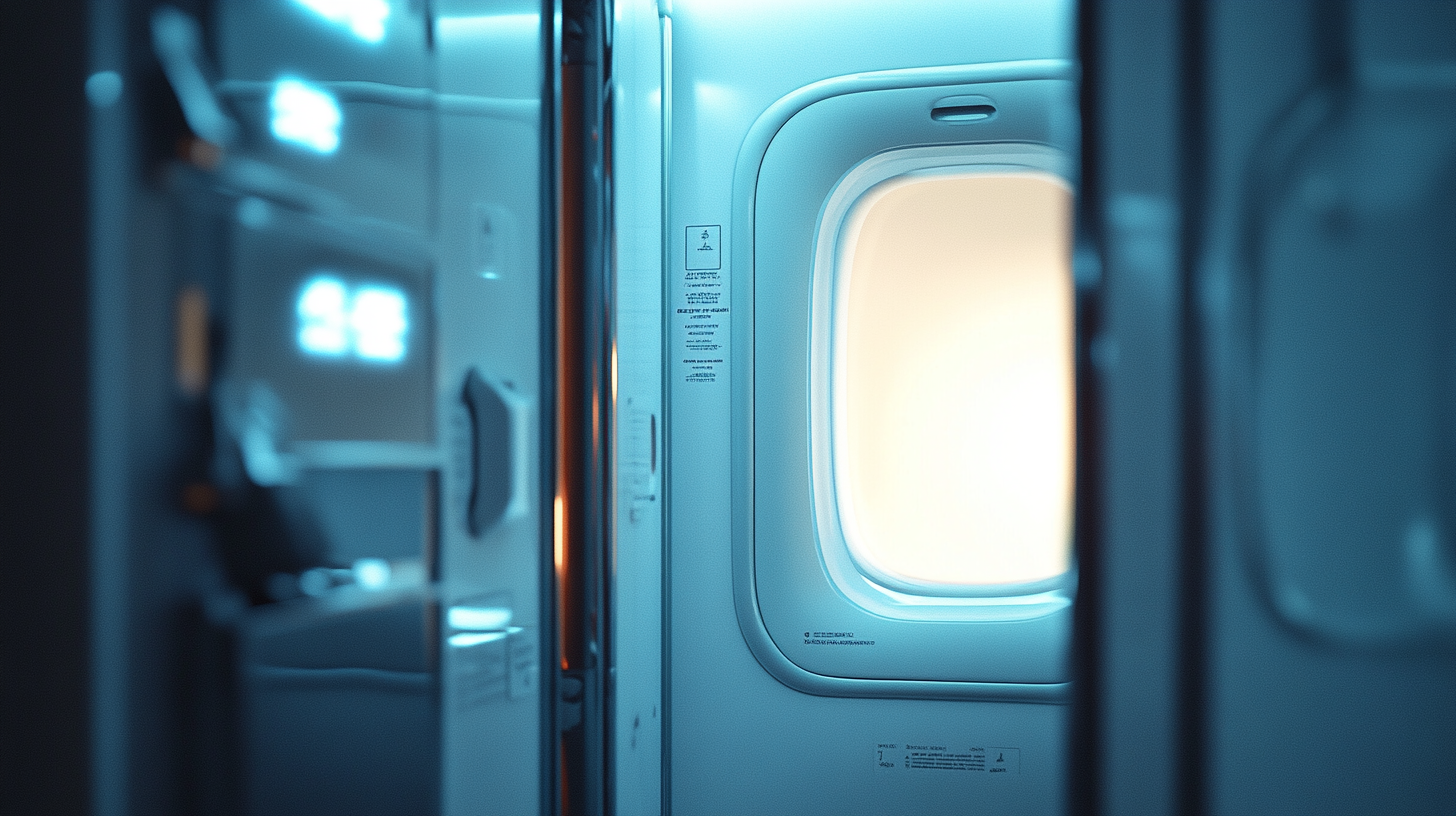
[367,322]
[363,18]
[305,116]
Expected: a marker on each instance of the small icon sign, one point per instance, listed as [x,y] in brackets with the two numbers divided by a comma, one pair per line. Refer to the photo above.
[704,247]
[1007,760]
[492,240]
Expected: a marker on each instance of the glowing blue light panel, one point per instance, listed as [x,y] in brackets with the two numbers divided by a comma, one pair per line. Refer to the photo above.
[323,328]
[378,323]
[371,573]
[363,18]
[478,617]
[475,638]
[305,116]
[369,322]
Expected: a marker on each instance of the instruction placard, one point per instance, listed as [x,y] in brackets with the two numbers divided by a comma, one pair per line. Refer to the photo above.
[945,757]
[701,308]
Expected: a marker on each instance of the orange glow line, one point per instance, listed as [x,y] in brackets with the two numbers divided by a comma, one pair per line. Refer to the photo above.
[559,534]
[558,531]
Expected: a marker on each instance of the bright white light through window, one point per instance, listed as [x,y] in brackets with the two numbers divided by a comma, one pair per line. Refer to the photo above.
[305,116]
[367,322]
[952,404]
[478,617]
[465,639]
[322,310]
[371,573]
[377,321]
[365,19]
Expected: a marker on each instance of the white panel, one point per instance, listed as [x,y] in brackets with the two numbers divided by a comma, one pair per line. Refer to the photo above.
[636,557]
[730,721]
[489,288]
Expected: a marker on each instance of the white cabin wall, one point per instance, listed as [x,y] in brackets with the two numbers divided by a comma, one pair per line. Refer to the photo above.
[635,558]
[738,740]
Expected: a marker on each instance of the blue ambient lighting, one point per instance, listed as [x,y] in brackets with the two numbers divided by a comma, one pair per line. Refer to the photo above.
[478,617]
[316,581]
[103,88]
[364,18]
[371,573]
[378,322]
[369,323]
[474,638]
[321,314]
[305,116]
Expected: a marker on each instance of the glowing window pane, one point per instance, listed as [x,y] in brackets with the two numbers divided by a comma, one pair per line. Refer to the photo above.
[305,116]
[321,309]
[953,379]
[475,638]
[363,18]
[371,573]
[478,617]
[370,323]
[378,322]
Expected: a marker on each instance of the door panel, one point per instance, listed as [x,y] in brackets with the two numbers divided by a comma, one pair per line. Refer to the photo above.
[496,674]
[1331,583]
[1277,358]
[729,718]
[384,399]
[635,715]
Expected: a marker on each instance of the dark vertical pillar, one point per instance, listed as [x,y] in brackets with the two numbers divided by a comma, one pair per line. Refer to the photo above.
[44,399]
[1194,440]
[1134,59]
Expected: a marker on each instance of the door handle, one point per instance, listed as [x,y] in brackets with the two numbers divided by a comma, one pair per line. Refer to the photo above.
[499,468]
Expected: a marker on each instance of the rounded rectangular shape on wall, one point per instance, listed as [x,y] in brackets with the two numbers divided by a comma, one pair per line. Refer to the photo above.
[952,371]
[908,432]
[1342,422]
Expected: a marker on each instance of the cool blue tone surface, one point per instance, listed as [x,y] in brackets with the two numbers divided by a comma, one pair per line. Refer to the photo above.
[305,116]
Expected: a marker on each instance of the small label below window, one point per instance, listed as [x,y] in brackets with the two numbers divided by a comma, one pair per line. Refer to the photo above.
[832,638]
[901,757]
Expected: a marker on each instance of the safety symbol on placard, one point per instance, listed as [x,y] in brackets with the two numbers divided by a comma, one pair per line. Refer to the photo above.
[704,248]
[1007,761]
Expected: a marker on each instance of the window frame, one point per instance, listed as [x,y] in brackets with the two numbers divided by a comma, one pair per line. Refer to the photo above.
[987,648]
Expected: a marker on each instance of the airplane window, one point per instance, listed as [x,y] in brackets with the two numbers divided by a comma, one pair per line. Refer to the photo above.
[952,380]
